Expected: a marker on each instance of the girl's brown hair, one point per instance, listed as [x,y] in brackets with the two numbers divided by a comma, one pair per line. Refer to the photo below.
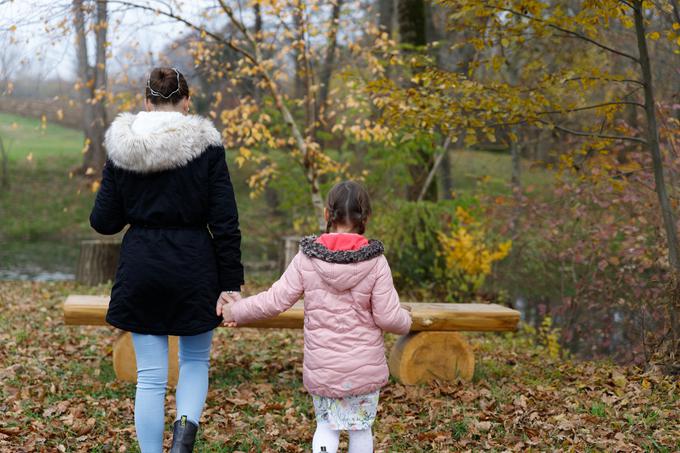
[166,86]
[348,204]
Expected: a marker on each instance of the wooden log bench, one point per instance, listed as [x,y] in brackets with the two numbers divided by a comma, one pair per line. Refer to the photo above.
[432,350]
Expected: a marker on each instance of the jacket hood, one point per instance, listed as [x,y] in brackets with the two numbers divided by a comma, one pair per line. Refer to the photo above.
[154,141]
[341,269]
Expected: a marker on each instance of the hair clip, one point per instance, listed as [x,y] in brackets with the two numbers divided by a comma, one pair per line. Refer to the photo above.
[157,93]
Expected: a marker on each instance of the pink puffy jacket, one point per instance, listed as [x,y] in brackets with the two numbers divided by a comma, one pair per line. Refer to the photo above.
[349,301]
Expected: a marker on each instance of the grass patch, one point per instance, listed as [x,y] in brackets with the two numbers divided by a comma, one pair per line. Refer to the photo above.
[43,202]
[490,171]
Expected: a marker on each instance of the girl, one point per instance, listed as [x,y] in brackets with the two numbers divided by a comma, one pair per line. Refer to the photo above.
[166,177]
[349,301]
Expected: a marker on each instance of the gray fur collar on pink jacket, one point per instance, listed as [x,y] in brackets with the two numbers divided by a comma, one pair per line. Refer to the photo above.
[350,300]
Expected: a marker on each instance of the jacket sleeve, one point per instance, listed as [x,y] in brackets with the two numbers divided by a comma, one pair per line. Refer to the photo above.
[223,223]
[277,299]
[387,312]
[108,215]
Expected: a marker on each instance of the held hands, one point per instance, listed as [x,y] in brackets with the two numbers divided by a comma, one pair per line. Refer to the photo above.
[224,304]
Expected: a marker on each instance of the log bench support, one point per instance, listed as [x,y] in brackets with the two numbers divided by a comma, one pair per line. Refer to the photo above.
[421,357]
[125,360]
[434,350]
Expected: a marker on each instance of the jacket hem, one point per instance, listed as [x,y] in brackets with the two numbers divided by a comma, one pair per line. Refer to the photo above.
[147,331]
[343,394]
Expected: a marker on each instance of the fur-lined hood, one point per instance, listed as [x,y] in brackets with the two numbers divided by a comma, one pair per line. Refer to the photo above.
[154,141]
[341,269]
[311,247]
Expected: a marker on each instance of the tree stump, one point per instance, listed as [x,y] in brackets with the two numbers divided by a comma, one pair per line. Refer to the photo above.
[290,246]
[125,361]
[421,357]
[98,261]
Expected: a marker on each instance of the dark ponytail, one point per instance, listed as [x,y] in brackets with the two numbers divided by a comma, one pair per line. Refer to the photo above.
[348,204]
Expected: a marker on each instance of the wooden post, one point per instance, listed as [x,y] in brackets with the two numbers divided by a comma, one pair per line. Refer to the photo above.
[422,357]
[125,360]
[290,246]
[98,261]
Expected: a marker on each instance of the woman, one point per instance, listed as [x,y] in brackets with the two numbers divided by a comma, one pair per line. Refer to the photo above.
[166,177]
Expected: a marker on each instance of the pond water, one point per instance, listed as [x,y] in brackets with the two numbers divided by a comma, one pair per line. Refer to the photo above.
[38,260]
[57,260]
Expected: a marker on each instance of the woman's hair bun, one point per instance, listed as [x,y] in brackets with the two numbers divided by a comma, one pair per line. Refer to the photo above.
[166,86]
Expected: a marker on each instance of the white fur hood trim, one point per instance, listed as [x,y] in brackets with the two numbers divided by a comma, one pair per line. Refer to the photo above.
[154,141]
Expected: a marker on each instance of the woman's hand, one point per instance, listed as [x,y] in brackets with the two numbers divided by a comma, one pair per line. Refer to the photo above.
[224,304]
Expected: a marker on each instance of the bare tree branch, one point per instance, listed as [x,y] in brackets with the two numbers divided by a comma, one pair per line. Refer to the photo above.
[591,107]
[563,30]
[593,134]
[199,28]
[433,171]
[606,79]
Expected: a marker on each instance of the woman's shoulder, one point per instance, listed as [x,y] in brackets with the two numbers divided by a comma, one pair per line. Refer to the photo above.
[155,141]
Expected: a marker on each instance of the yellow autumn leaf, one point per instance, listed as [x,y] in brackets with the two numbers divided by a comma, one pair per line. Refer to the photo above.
[654,36]
[95,186]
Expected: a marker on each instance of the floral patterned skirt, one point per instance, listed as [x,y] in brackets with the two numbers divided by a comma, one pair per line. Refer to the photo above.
[348,413]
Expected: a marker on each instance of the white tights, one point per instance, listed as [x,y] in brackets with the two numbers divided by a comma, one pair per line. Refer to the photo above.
[326,440]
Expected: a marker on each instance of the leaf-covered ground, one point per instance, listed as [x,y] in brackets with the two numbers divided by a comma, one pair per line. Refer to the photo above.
[58,393]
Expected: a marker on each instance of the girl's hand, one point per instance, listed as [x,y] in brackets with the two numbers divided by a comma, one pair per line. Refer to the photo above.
[223,306]
[227,315]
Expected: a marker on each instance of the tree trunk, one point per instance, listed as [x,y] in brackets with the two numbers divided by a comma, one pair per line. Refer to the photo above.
[98,261]
[386,16]
[98,153]
[290,245]
[660,185]
[653,142]
[439,158]
[516,156]
[257,92]
[4,175]
[299,44]
[329,60]
[92,81]
[412,22]
[445,177]
[413,33]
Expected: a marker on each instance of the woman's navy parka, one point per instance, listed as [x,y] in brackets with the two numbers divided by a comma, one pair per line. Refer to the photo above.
[166,176]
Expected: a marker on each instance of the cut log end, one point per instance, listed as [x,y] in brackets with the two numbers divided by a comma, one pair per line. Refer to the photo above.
[98,261]
[422,357]
[125,361]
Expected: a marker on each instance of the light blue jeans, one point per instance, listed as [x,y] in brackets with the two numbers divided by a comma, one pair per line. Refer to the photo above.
[152,379]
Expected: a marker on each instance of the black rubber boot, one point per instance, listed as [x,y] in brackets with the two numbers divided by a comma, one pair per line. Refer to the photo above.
[183,436]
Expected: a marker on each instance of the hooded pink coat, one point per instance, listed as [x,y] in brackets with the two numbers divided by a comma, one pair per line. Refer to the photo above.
[349,301]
